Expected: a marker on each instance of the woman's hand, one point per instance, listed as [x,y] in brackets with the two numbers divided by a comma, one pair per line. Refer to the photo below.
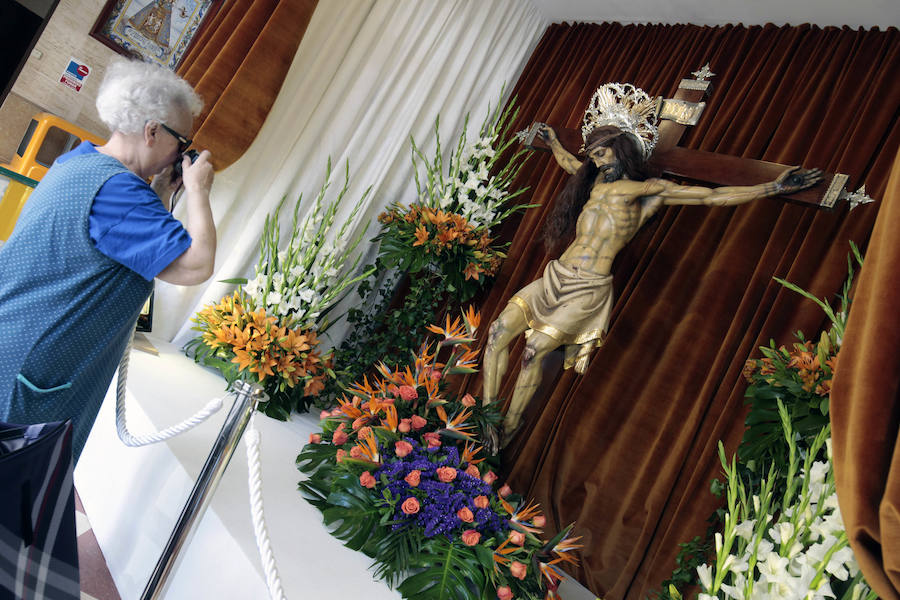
[197,176]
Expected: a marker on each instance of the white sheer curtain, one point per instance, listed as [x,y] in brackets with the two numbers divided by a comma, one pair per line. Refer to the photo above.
[368,74]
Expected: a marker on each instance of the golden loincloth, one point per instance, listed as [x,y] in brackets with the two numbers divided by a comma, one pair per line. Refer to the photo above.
[572,307]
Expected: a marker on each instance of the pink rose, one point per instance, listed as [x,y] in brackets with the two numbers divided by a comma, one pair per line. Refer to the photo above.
[433,439]
[355,452]
[473,471]
[435,374]
[402,448]
[341,453]
[504,491]
[504,593]
[465,515]
[517,537]
[404,426]
[410,506]
[481,501]
[324,414]
[446,474]
[413,478]
[408,393]
[490,477]
[518,569]
[470,537]
[335,412]
[468,401]
[539,521]
[418,422]
[366,479]
[315,438]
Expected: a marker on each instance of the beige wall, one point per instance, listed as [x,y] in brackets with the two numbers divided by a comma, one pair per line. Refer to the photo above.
[37,87]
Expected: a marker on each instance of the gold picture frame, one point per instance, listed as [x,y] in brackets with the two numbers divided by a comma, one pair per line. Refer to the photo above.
[157,31]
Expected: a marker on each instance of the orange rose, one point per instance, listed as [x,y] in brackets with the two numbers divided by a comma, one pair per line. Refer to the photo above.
[470,537]
[324,415]
[473,471]
[413,478]
[402,448]
[403,426]
[481,501]
[355,452]
[408,393]
[504,491]
[367,480]
[410,506]
[490,477]
[539,521]
[468,401]
[518,569]
[341,453]
[465,515]
[517,537]
[315,438]
[504,593]
[339,436]
[433,439]
[418,422]
[364,432]
[446,474]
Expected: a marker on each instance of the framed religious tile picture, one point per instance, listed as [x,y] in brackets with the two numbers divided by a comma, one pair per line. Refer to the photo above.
[158,31]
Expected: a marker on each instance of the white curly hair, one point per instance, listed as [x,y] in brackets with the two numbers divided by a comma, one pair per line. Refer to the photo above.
[134,92]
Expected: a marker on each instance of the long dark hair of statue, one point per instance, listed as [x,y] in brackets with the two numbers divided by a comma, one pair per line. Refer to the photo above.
[560,226]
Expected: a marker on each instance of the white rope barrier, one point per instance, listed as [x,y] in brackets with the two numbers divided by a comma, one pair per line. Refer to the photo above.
[127,438]
[251,439]
[273,581]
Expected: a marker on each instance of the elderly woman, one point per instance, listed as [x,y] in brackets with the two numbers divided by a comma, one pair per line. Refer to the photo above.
[91,239]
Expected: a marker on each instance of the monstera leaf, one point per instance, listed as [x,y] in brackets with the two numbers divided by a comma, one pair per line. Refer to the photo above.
[351,511]
[445,571]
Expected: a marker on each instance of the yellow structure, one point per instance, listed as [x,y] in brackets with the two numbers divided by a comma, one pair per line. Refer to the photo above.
[46,138]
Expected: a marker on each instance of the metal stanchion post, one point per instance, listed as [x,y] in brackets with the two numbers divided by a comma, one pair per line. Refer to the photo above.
[247,396]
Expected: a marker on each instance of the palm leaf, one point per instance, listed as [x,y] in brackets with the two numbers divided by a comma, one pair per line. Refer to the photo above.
[446,571]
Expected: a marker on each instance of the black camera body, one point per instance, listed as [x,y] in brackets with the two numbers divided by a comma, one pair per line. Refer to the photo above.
[176,168]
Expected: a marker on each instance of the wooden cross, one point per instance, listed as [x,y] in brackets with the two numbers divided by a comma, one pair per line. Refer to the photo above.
[676,162]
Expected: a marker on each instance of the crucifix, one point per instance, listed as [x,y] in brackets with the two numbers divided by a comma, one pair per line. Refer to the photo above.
[626,135]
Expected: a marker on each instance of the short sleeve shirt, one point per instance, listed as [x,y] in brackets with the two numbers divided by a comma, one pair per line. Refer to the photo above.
[129,224]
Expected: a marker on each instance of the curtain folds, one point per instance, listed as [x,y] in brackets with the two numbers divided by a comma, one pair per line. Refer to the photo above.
[628,450]
[367,75]
[865,407]
[237,65]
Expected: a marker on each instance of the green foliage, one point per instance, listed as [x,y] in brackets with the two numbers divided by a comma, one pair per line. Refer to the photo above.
[445,570]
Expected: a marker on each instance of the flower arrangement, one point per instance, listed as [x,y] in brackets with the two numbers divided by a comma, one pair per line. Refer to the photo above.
[448,228]
[397,472]
[268,330]
[799,376]
[792,546]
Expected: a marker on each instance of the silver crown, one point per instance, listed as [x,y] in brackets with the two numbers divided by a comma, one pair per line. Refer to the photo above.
[627,107]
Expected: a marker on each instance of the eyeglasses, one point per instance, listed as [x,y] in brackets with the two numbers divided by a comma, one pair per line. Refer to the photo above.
[183,142]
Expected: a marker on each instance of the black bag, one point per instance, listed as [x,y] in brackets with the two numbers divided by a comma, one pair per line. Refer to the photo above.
[38,542]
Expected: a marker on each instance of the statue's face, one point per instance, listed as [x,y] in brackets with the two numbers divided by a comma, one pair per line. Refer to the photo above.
[601,155]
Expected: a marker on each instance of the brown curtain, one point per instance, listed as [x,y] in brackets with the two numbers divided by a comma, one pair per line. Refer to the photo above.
[628,450]
[237,64]
[865,407]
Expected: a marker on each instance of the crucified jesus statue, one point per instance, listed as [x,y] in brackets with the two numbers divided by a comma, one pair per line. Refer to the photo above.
[605,202]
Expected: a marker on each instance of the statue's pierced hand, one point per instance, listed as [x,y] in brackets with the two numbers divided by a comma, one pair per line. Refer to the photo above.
[547,133]
[795,179]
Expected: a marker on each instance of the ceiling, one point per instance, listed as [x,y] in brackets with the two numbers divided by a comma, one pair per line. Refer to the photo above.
[855,13]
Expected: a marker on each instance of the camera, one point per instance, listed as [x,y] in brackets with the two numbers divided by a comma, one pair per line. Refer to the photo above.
[176,168]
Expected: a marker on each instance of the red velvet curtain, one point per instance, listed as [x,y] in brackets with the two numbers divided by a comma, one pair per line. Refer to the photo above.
[628,450]
[237,64]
